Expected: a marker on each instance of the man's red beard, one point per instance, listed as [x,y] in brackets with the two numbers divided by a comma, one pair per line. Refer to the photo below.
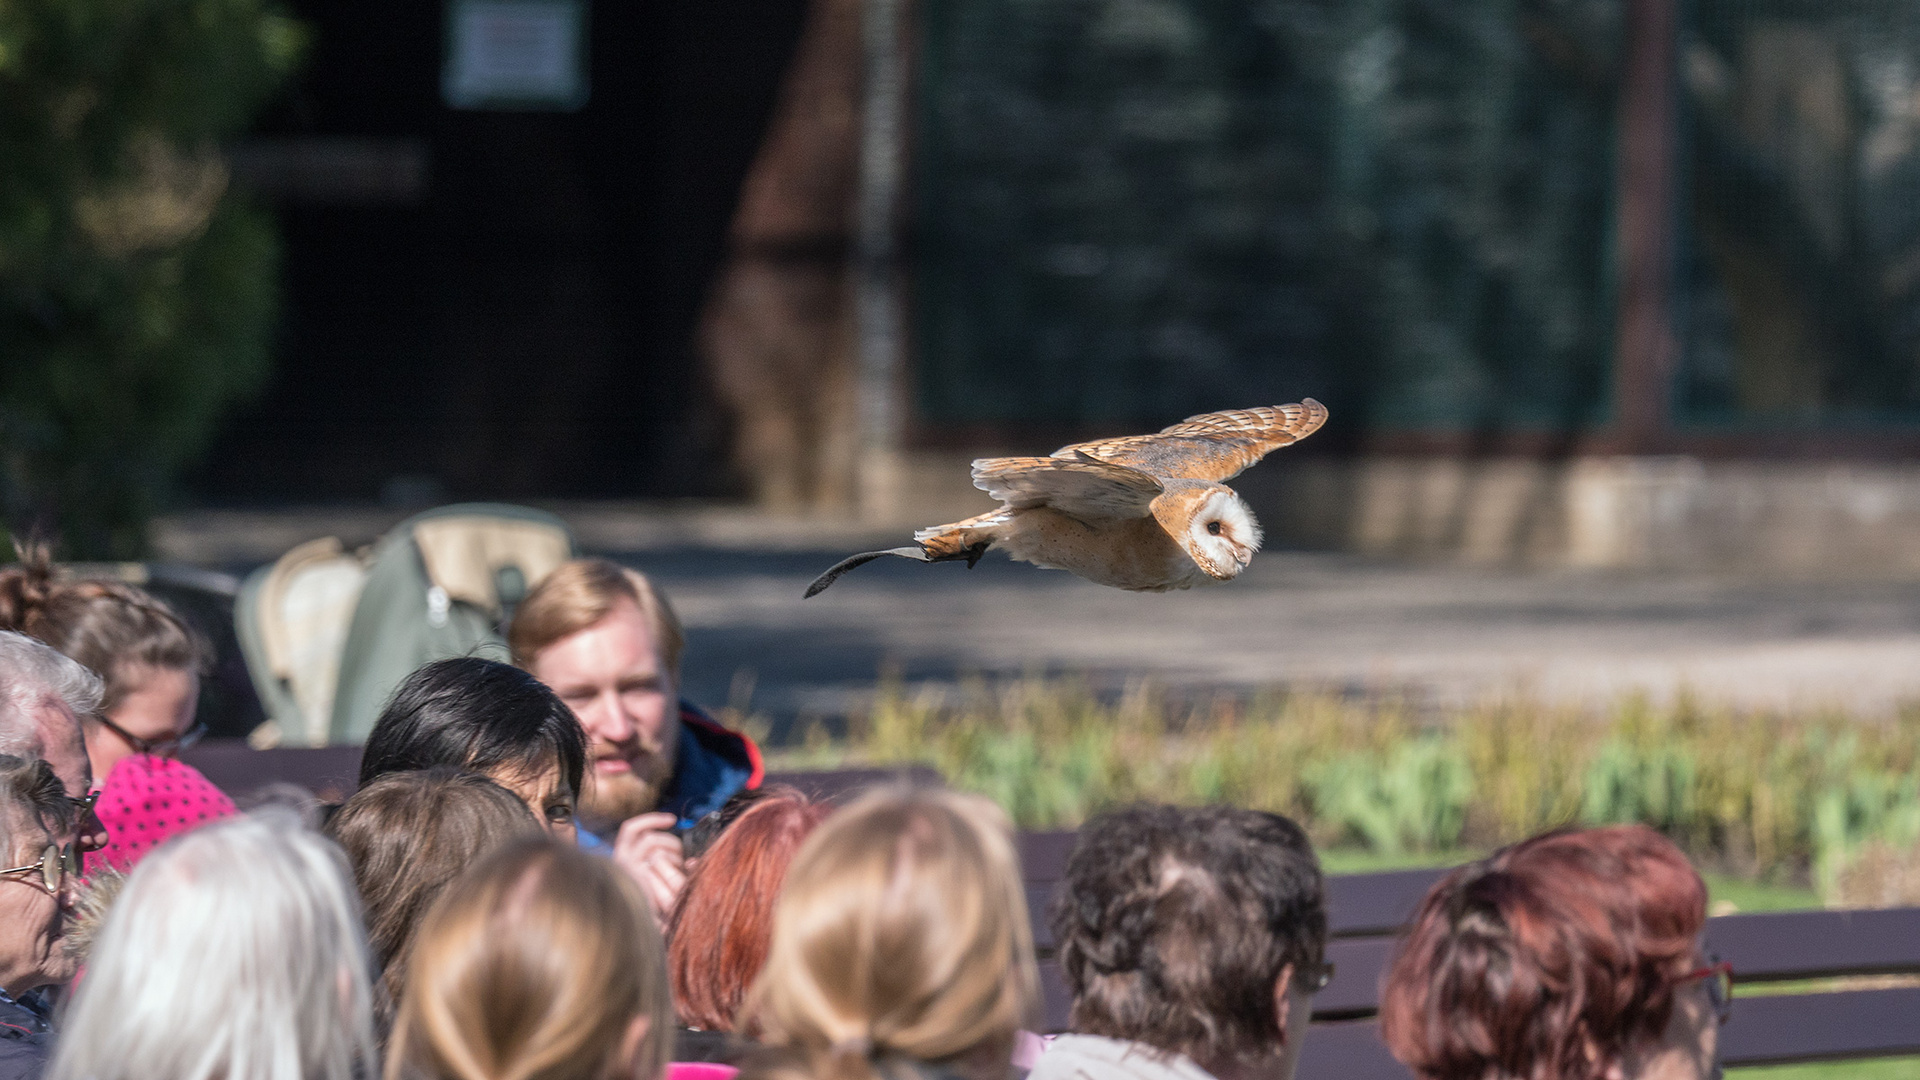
[612,797]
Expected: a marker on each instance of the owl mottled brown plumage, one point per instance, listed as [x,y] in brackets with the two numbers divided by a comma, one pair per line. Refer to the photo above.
[1146,512]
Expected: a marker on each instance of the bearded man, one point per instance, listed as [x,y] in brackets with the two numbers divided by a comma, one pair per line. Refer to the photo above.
[608,643]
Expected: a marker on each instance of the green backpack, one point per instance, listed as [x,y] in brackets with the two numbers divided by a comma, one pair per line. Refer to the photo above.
[440,584]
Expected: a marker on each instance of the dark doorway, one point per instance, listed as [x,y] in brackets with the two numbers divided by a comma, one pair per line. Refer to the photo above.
[514,316]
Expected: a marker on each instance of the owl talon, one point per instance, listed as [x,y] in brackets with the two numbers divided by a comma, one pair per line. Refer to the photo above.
[975,553]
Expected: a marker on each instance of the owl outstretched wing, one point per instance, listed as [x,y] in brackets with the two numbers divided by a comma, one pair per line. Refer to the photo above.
[1078,487]
[1212,446]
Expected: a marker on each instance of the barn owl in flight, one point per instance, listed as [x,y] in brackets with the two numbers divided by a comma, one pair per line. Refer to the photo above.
[1146,513]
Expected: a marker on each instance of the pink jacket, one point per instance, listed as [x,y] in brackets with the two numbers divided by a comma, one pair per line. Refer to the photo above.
[146,800]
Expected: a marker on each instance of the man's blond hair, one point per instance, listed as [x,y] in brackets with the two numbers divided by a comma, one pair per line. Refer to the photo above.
[581,593]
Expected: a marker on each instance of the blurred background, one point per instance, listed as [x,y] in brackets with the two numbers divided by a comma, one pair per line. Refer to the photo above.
[1584,282]
[1615,304]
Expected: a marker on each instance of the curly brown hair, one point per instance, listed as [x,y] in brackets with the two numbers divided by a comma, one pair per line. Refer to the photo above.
[1174,924]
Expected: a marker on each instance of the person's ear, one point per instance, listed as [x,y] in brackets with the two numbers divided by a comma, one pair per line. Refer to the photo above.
[1283,1001]
[630,1044]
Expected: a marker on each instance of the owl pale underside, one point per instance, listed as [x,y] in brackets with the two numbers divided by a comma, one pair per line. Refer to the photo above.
[1145,513]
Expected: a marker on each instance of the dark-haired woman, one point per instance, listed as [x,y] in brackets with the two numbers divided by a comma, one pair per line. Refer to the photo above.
[150,660]
[1571,956]
[490,718]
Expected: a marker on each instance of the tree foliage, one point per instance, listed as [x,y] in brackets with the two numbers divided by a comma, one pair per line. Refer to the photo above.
[136,291]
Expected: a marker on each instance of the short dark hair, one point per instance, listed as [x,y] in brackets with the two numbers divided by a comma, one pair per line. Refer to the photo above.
[1174,924]
[475,714]
[406,836]
[708,829]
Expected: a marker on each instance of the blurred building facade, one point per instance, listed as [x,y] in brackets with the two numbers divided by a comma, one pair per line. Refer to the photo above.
[494,301]
[1600,282]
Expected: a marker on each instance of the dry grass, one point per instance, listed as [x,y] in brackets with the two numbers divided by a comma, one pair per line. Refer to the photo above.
[1764,795]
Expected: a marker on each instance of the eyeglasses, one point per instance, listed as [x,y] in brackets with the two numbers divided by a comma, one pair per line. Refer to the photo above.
[1719,976]
[83,803]
[165,748]
[55,864]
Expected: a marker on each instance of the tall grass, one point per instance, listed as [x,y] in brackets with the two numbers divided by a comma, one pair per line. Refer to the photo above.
[1779,796]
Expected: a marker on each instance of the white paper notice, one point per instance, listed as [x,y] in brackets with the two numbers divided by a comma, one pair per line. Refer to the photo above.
[515,54]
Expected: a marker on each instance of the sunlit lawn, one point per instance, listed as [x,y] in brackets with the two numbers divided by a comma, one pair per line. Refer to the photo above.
[1905,1068]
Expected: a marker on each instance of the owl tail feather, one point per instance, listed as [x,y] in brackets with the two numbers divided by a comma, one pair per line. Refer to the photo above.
[921,554]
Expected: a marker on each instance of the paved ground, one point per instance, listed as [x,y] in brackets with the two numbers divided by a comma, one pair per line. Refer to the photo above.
[1328,620]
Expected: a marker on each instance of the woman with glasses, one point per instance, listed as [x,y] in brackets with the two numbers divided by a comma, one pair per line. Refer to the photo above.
[1571,956]
[36,831]
[150,661]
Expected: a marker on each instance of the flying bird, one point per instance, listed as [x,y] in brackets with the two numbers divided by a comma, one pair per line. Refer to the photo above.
[1146,513]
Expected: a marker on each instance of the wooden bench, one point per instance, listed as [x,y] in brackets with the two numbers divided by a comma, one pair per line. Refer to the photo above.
[1365,912]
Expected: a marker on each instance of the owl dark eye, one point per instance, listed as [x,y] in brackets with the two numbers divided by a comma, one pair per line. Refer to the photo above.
[1213,528]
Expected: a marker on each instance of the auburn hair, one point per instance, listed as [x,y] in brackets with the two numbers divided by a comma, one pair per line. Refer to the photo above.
[718,936]
[579,594]
[111,627]
[901,937]
[532,966]
[1548,960]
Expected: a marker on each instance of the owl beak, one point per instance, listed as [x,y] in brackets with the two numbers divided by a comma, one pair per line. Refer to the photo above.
[1214,571]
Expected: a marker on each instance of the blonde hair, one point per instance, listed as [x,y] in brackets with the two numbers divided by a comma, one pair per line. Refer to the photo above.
[901,936]
[531,967]
[581,593]
[234,950]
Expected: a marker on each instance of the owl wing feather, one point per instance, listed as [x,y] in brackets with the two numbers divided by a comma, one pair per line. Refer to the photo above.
[1212,446]
[1078,487]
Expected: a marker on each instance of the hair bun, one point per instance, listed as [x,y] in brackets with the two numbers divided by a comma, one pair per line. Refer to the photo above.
[26,586]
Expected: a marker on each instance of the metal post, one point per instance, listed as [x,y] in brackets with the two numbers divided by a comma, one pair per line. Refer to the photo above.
[880,333]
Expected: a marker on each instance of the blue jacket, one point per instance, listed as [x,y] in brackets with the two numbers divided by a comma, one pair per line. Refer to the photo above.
[26,1039]
[711,765]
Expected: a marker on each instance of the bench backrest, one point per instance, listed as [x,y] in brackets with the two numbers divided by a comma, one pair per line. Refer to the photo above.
[1365,912]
